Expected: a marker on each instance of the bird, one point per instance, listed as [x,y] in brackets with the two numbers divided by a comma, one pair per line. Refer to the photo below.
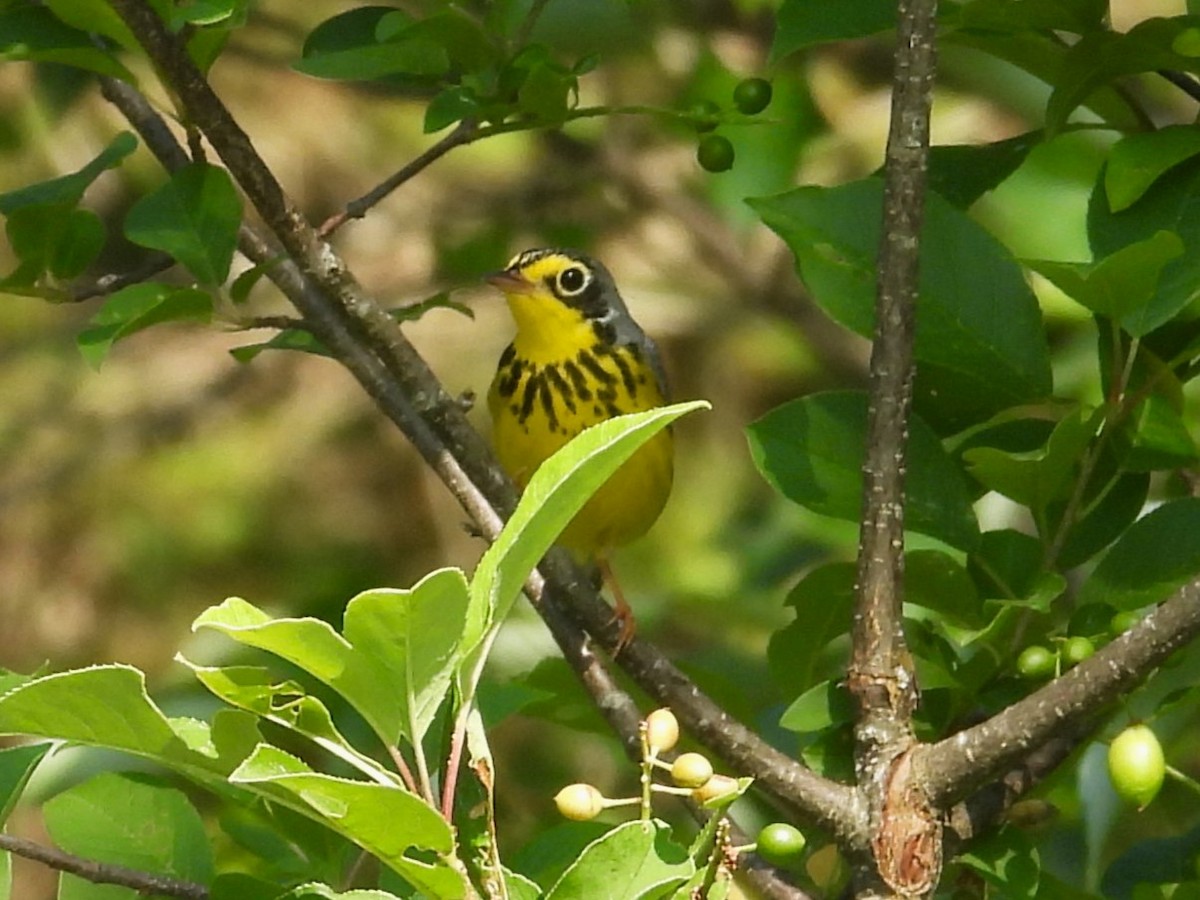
[578,358]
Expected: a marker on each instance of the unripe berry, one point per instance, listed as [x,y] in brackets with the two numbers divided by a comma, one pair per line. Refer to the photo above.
[1035,662]
[1136,764]
[781,844]
[580,802]
[662,730]
[717,788]
[691,770]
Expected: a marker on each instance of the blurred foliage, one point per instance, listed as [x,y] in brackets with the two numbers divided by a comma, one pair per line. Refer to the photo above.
[136,496]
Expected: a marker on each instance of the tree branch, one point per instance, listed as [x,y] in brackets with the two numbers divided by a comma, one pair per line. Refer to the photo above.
[371,345]
[954,767]
[96,872]
[905,830]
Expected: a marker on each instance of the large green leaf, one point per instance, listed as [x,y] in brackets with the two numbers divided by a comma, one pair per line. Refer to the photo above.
[555,493]
[113,818]
[634,861]
[980,347]
[194,217]
[53,238]
[1170,204]
[107,706]
[812,449]
[395,661]
[1158,554]
[1077,16]
[369,43]
[388,822]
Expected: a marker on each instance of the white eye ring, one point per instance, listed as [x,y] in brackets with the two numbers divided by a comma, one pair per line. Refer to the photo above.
[572,280]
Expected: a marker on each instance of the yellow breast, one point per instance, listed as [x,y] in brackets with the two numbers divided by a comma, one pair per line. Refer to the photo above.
[546,392]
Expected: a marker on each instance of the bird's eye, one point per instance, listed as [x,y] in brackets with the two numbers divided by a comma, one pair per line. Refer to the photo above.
[572,280]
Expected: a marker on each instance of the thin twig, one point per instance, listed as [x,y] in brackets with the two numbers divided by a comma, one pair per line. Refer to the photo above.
[111,283]
[97,872]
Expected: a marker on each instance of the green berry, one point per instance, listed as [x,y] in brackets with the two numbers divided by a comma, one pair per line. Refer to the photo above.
[1122,622]
[662,730]
[715,153]
[691,770]
[580,802]
[752,96]
[1075,650]
[1035,663]
[705,115]
[1136,765]
[781,844]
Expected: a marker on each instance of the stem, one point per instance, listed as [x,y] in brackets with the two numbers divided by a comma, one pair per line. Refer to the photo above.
[96,872]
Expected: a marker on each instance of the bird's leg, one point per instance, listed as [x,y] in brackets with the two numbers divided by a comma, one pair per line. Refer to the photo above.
[622,611]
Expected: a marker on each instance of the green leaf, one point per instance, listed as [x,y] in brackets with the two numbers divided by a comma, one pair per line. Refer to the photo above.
[53,238]
[1076,16]
[415,637]
[823,602]
[1043,55]
[936,581]
[68,190]
[395,662]
[544,92]
[1008,860]
[972,359]
[1101,56]
[388,822]
[1037,478]
[16,765]
[819,709]
[803,23]
[633,861]
[962,173]
[811,450]
[107,706]
[450,106]
[137,307]
[33,34]
[194,217]
[1138,160]
[555,493]
[1158,554]
[128,821]
[316,891]
[1104,521]
[1171,204]
[95,17]
[349,47]
[1159,437]
[1121,286]
[285,703]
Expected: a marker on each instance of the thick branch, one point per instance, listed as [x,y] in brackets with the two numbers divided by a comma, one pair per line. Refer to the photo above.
[954,767]
[881,670]
[96,872]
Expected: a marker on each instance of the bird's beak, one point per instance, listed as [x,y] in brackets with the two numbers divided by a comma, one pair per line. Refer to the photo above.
[509,281]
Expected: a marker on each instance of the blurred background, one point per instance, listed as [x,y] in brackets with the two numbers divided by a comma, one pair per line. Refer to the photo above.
[133,497]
